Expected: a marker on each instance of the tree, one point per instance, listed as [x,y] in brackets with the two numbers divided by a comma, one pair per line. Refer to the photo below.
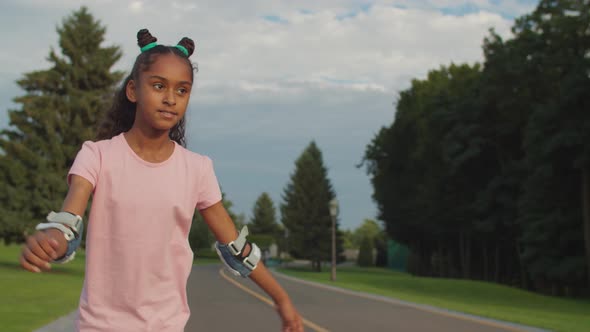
[348,240]
[500,154]
[426,167]
[371,230]
[305,212]
[263,226]
[368,229]
[59,111]
[365,258]
[264,217]
[554,204]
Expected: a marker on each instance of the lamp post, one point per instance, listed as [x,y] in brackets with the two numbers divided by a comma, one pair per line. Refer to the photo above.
[333,214]
[286,244]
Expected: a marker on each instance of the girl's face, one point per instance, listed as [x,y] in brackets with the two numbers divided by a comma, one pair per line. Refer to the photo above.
[161,93]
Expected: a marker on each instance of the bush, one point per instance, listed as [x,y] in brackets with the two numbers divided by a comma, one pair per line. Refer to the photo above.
[365,257]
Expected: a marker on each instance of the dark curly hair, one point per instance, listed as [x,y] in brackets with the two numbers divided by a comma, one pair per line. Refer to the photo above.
[121,115]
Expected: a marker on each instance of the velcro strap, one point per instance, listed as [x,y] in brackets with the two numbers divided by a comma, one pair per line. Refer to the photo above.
[66,218]
[68,234]
[251,261]
[236,246]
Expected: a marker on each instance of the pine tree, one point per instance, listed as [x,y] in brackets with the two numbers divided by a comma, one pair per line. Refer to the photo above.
[59,111]
[264,220]
[305,211]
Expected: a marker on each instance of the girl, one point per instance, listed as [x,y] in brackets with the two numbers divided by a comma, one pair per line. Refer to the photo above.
[145,188]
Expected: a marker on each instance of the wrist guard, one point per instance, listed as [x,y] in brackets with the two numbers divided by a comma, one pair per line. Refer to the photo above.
[71,226]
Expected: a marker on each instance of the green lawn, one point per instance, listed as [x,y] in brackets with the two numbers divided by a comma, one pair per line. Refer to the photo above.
[478,298]
[31,300]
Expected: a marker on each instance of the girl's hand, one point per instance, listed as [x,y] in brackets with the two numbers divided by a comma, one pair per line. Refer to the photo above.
[291,320]
[39,250]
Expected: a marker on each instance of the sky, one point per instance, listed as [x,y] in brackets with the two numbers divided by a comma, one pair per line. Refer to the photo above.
[275,75]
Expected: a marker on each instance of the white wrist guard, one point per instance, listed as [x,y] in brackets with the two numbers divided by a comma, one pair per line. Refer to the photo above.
[71,226]
[231,255]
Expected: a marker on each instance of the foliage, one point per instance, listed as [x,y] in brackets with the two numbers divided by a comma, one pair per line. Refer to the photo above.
[200,236]
[365,258]
[264,220]
[305,212]
[485,171]
[59,111]
[369,229]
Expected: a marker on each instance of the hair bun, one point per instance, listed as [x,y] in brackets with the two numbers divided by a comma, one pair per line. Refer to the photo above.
[144,37]
[188,44]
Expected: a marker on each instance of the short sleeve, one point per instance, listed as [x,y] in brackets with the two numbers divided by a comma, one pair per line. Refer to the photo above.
[209,192]
[87,163]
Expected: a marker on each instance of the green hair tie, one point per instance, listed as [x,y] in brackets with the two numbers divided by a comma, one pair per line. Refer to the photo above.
[182,49]
[149,47]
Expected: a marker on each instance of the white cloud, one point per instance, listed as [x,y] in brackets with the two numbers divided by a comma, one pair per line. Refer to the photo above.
[136,6]
[184,6]
[280,71]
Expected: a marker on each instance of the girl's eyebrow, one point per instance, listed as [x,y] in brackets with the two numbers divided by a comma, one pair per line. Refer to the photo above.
[166,80]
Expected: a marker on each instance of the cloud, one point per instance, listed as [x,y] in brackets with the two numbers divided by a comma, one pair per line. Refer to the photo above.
[274,75]
[136,6]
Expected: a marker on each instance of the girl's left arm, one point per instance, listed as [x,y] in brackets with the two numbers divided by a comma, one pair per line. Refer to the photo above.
[223,228]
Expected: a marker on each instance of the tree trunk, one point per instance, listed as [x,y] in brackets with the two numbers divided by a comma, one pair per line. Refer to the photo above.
[441,260]
[485,262]
[586,210]
[465,253]
[316,266]
[523,276]
[462,254]
[497,261]
[468,257]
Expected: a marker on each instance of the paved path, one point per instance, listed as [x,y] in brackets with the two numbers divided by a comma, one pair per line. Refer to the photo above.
[324,308]
[221,302]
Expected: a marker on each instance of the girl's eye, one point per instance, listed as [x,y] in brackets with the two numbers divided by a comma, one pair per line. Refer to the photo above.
[182,91]
[158,86]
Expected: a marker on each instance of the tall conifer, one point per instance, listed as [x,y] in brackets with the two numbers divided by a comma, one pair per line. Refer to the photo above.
[305,211]
[58,112]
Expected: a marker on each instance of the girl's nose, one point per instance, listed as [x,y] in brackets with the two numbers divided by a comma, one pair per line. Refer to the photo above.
[170,99]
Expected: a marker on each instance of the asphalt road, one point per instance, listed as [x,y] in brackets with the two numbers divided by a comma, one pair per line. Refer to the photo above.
[224,303]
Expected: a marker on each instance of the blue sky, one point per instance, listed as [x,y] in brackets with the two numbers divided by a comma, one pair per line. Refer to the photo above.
[275,75]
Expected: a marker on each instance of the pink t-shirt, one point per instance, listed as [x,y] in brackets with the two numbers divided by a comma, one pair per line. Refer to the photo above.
[138,257]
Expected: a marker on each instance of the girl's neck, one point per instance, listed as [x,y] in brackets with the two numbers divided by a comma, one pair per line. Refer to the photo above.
[150,146]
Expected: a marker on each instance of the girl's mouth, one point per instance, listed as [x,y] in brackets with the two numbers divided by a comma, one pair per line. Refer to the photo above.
[167,114]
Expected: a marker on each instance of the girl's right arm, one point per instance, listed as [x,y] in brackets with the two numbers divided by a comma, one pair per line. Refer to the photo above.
[45,246]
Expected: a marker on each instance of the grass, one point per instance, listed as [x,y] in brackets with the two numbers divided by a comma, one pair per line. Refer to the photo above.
[473,297]
[32,300]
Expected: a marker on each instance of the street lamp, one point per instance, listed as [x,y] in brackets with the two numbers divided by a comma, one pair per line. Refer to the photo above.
[333,214]
[286,244]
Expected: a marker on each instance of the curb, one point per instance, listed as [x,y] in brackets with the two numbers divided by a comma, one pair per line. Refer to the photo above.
[62,324]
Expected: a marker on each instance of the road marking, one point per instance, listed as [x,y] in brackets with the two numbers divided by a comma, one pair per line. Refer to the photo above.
[268,301]
[433,310]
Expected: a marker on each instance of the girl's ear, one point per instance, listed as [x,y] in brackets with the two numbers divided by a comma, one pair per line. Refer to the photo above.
[130,91]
